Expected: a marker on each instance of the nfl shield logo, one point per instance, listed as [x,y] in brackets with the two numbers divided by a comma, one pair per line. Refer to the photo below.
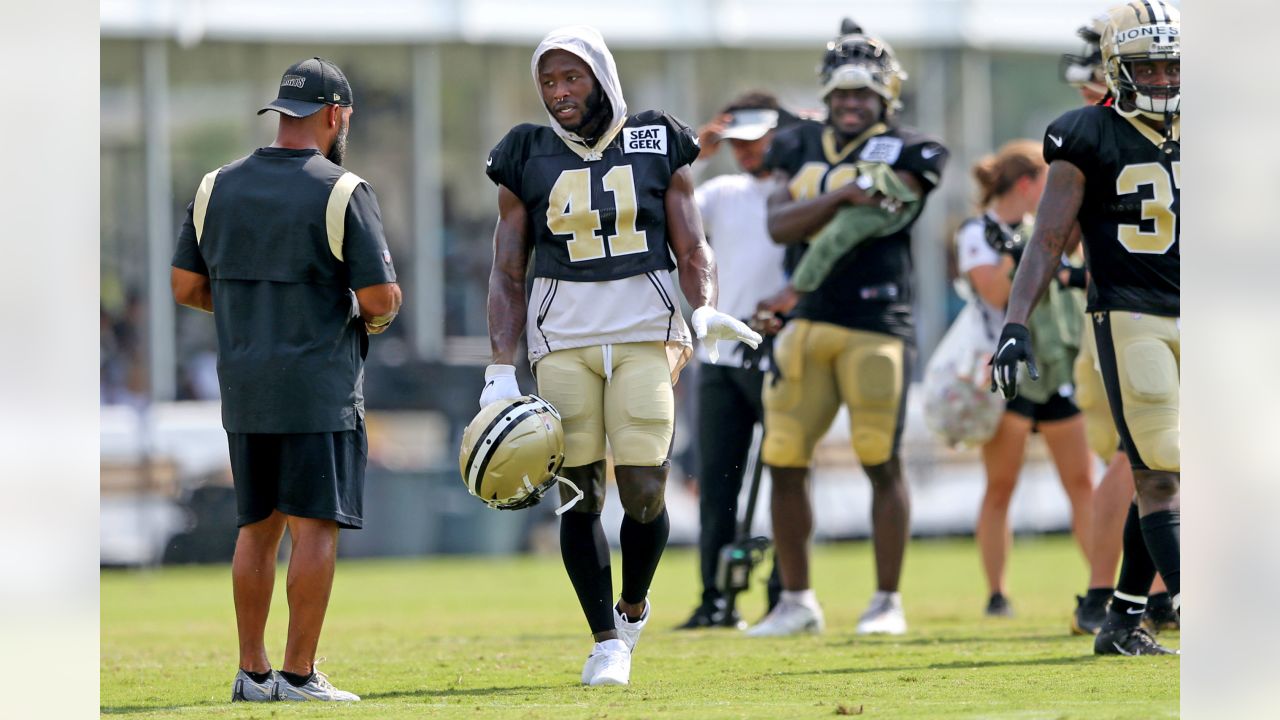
[386,256]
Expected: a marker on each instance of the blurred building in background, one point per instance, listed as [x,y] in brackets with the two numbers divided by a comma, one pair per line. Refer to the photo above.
[437,83]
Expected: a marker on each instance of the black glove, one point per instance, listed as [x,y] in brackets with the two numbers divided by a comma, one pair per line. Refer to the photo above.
[1014,347]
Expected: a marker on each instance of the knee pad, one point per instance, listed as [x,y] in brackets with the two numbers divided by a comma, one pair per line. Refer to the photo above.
[643,490]
[785,444]
[873,445]
[1165,453]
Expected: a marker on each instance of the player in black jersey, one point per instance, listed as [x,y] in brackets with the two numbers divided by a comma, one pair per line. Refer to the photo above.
[859,178]
[603,200]
[1115,170]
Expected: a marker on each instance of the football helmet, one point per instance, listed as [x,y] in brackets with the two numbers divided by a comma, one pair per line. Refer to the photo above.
[1085,69]
[512,452]
[1136,31]
[857,60]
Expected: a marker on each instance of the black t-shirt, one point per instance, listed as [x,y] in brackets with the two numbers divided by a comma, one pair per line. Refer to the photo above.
[596,220]
[870,287]
[284,245]
[1129,214]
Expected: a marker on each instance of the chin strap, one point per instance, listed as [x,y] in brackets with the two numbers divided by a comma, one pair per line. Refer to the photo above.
[1169,146]
[578,495]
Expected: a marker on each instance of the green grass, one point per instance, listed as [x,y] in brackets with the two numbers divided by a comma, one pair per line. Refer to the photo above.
[471,638]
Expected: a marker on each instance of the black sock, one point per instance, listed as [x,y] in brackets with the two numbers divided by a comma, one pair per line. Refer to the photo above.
[1160,601]
[1136,573]
[642,546]
[586,558]
[1097,597]
[1162,531]
[297,680]
[257,677]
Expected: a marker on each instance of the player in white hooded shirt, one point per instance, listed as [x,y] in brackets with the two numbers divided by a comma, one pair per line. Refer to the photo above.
[603,202]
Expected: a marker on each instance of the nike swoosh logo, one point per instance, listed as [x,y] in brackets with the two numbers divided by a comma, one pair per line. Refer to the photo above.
[1007,343]
[930,152]
[489,161]
[1056,140]
[1135,611]
[489,384]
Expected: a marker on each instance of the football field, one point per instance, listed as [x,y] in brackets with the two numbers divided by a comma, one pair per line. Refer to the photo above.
[504,637]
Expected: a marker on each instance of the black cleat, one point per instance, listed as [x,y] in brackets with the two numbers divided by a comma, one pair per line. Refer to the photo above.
[712,617]
[1128,641]
[998,606]
[1089,616]
[1160,616]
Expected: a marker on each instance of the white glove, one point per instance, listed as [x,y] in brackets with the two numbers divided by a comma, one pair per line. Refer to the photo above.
[712,325]
[499,384]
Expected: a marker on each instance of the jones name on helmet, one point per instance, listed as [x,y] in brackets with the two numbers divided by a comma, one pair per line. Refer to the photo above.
[512,452]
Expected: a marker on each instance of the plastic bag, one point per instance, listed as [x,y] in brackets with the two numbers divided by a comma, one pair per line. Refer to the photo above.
[959,406]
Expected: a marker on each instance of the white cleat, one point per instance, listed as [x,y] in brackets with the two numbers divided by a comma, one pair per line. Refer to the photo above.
[318,688]
[608,664]
[789,618]
[883,616]
[629,632]
[244,689]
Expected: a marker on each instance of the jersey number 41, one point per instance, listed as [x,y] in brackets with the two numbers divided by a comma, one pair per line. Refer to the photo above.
[569,212]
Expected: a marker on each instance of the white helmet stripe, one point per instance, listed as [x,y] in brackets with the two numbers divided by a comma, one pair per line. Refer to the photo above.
[491,438]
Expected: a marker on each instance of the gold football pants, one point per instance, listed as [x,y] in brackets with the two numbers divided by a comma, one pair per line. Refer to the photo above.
[819,366]
[1140,357]
[617,392]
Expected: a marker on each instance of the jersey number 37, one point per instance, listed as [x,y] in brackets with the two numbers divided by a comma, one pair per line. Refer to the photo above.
[1158,209]
[569,212]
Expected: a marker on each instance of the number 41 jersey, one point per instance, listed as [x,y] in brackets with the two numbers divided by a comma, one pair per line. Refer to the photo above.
[600,219]
[1129,214]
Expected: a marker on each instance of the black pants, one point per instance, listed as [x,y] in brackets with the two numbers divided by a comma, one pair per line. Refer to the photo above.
[729,405]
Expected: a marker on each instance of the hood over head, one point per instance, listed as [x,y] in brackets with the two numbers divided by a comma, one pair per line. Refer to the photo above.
[587,43]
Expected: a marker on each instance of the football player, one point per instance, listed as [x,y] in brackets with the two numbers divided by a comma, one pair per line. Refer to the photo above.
[850,339]
[605,197]
[1114,493]
[1115,170]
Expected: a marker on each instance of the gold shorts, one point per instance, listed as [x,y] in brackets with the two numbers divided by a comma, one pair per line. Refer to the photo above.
[1140,357]
[619,392]
[1091,398]
[818,367]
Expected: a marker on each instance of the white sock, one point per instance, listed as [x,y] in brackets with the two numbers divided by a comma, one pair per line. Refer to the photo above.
[613,645]
[1177,602]
[893,597]
[804,597]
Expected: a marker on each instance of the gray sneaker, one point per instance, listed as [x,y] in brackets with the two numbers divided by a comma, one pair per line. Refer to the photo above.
[318,688]
[244,689]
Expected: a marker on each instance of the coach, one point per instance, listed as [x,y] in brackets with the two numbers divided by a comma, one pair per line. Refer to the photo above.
[286,249]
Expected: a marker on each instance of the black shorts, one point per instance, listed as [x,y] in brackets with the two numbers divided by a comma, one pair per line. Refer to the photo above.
[1057,407]
[310,475]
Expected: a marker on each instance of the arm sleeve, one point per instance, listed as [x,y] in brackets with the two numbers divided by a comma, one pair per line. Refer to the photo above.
[186,256]
[1073,137]
[505,163]
[784,152]
[926,161]
[364,246]
[684,144]
[972,248]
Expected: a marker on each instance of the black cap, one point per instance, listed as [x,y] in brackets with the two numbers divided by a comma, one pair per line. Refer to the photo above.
[308,86]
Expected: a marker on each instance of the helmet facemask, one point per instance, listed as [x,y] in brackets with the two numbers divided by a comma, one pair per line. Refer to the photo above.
[855,61]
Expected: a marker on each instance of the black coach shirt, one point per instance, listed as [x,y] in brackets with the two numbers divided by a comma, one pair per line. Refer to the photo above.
[284,236]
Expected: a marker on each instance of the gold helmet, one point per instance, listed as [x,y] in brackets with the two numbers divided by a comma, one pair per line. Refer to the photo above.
[1085,70]
[512,452]
[857,60]
[1137,31]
